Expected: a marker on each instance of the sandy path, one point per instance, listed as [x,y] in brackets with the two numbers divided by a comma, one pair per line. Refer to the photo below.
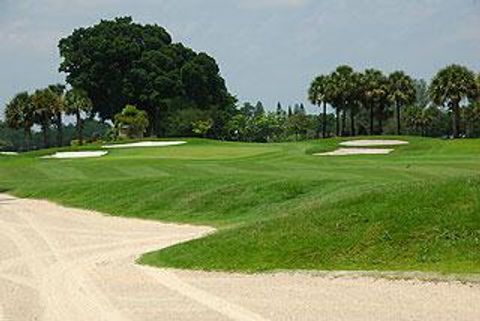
[61,264]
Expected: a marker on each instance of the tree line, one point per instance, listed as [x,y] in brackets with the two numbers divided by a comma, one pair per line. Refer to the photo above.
[46,108]
[253,123]
[135,76]
[454,91]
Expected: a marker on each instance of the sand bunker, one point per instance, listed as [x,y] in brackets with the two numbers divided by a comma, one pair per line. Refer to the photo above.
[85,154]
[9,153]
[145,144]
[356,151]
[58,263]
[371,143]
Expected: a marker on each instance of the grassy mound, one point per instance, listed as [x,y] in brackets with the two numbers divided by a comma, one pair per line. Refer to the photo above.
[278,207]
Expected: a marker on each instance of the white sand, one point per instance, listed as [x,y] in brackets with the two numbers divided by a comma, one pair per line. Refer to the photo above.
[60,264]
[356,151]
[372,142]
[83,154]
[145,144]
[9,153]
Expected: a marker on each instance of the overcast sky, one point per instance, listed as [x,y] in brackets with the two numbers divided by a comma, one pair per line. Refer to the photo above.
[268,50]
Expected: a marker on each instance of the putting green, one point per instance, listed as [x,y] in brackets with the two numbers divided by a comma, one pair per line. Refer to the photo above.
[279,207]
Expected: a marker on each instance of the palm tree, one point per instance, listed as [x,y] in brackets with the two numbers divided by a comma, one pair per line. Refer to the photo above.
[375,94]
[58,108]
[317,95]
[341,90]
[401,92]
[355,99]
[43,101]
[77,102]
[420,118]
[19,114]
[452,85]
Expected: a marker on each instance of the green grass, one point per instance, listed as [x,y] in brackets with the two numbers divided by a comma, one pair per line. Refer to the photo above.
[278,207]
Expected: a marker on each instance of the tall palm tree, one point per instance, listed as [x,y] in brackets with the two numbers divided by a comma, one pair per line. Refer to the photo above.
[19,114]
[341,90]
[452,85]
[401,92]
[43,101]
[355,99]
[58,108]
[77,101]
[333,92]
[317,95]
[375,94]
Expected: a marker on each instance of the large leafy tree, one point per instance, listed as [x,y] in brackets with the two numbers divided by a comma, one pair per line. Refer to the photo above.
[452,85]
[318,95]
[120,62]
[401,93]
[77,103]
[20,114]
[97,59]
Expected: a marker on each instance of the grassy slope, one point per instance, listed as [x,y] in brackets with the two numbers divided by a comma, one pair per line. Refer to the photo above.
[278,207]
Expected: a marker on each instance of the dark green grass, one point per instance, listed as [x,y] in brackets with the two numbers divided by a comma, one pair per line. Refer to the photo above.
[278,207]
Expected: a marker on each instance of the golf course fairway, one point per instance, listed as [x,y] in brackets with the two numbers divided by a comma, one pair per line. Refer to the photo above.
[276,206]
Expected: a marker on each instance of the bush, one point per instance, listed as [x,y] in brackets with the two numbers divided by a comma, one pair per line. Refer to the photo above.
[131,122]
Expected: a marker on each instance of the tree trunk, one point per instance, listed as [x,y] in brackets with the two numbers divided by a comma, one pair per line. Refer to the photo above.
[456,119]
[151,126]
[45,135]
[380,121]
[59,130]
[371,119]
[157,122]
[337,129]
[79,127]
[352,122]
[27,133]
[324,129]
[344,122]
[399,125]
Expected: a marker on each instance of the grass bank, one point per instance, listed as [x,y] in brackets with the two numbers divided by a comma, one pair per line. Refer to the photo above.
[278,207]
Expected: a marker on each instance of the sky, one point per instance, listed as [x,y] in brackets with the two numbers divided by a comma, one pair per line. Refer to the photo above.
[268,50]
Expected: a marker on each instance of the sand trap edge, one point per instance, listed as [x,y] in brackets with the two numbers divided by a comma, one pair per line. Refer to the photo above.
[76,155]
[145,144]
[356,151]
[373,143]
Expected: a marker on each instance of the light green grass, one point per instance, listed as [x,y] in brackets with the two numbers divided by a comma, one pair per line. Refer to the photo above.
[278,207]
